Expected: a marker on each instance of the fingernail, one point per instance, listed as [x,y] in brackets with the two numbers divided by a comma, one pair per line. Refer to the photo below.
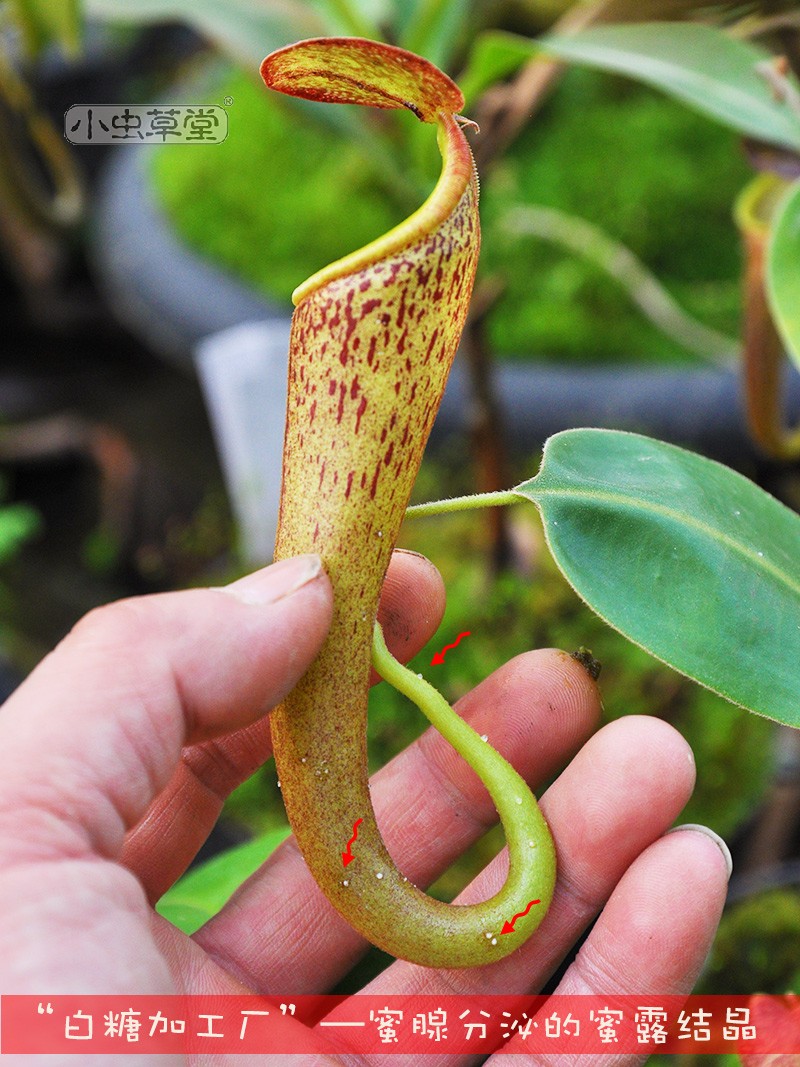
[411,552]
[277,581]
[714,837]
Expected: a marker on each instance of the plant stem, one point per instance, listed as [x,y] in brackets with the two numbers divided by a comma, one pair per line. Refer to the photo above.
[463,503]
[20,186]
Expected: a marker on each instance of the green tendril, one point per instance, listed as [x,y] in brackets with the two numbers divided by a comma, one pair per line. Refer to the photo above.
[532,862]
[463,503]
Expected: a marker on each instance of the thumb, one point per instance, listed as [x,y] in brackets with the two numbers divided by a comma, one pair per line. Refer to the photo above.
[94,734]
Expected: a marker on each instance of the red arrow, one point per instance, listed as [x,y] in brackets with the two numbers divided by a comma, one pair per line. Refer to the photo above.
[508,928]
[347,857]
[439,657]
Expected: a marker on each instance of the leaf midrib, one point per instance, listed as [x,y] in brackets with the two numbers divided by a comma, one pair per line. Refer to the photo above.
[679,518]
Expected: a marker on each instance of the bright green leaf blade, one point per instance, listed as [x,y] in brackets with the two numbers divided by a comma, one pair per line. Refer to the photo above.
[688,559]
[783,275]
[200,894]
[700,65]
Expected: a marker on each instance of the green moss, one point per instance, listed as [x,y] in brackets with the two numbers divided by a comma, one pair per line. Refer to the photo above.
[277,199]
[757,946]
[651,174]
[281,198]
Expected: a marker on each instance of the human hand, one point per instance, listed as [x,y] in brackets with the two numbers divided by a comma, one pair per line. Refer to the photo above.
[118,751]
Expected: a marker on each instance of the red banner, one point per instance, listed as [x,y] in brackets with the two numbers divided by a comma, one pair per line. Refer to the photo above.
[365,1024]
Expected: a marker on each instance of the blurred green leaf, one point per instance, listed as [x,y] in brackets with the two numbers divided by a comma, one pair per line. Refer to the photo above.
[350,18]
[43,21]
[494,56]
[783,271]
[202,892]
[247,29]
[621,264]
[700,65]
[17,523]
[729,12]
[435,28]
[688,559]
[379,11]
